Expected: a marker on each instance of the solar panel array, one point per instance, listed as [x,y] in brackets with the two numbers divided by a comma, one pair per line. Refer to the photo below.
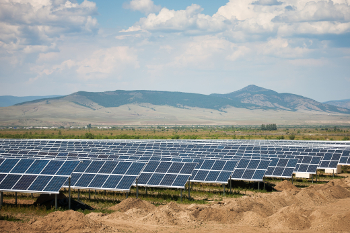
[166,174]
[106,175]
[210,156]
[30,175]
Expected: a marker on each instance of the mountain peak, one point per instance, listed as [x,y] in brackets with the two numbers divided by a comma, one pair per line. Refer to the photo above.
[253,88]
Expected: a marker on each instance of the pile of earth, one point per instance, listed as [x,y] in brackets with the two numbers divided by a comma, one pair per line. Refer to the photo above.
[323,208]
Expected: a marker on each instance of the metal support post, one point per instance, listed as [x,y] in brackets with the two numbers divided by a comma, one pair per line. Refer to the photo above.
[333,173]
[264,185]
[105,192]
[137,190]
[223,185]
[316,176]
[31,195]
[69,194]
[89,194]
[95,192]
[127,193]
[230,186]
[1,199]
[189,188]
[16,198]
[312,178]
[55,201]
[78,195]
[146,190]
[292,178]
[181,195]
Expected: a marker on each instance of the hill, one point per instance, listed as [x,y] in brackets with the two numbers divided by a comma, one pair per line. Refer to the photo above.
[9,100]
[250,105]
[269,99]
[339,103]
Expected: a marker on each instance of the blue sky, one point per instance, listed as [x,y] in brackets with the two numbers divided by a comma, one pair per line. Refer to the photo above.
[59,47]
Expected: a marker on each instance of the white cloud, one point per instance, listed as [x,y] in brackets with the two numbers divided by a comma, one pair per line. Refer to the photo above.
[36,22]
[99,64]
[144,6]
[189,20]
[248,18]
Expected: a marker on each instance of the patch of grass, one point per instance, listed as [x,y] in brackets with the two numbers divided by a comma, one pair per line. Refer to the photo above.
[7,217]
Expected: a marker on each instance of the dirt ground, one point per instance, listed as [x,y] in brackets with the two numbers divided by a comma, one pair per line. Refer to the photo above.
[318,208]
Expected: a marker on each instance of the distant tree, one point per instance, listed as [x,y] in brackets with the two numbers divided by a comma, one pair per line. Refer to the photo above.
[89,126]
[269,127]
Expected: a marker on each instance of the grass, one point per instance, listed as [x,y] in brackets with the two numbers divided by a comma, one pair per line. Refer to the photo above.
[185,132]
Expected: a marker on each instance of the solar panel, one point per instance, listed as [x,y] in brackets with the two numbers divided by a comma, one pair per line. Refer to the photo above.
[110,175]
[250,170]
[166,174]
[28,175]
[281,167]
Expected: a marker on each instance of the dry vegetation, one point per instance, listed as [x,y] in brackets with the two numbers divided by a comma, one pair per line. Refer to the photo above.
[185,132]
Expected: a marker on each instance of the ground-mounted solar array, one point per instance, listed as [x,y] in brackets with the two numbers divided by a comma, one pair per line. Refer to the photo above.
[214,161]
[31,175]
[106,175]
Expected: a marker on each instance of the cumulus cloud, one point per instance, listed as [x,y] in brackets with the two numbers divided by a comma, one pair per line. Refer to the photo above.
[190,20]
[99,64]
[251,18]
[33,22]
[144,6]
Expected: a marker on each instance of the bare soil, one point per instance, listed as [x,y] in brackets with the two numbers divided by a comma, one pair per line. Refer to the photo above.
[318,208]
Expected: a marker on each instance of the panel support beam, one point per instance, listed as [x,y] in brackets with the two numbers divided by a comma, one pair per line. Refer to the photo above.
[137,190]
[55,201]
[69,194]
[1,199]
[189,188]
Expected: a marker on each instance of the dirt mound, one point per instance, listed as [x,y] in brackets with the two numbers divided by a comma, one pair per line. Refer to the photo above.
[317,195]
[290,218]
[66,221]
[170,214]
[285,186]
[132,203]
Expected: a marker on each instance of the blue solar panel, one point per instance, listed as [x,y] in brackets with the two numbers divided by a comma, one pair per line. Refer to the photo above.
[112,182]
[237,173]
[25,182]
[9,181]
[126,182]
[155,179]
[85,180]
[135,169]
[168,180]
[52,167]
[143,178]
[82,166]
[55,184]
[180,181]
[212,176]
[8,165]
[67,168]
[94,167]
[122,167]
[108,167]
[40,183]
[37,166]
[22,166]
[175,167]
[98,181]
